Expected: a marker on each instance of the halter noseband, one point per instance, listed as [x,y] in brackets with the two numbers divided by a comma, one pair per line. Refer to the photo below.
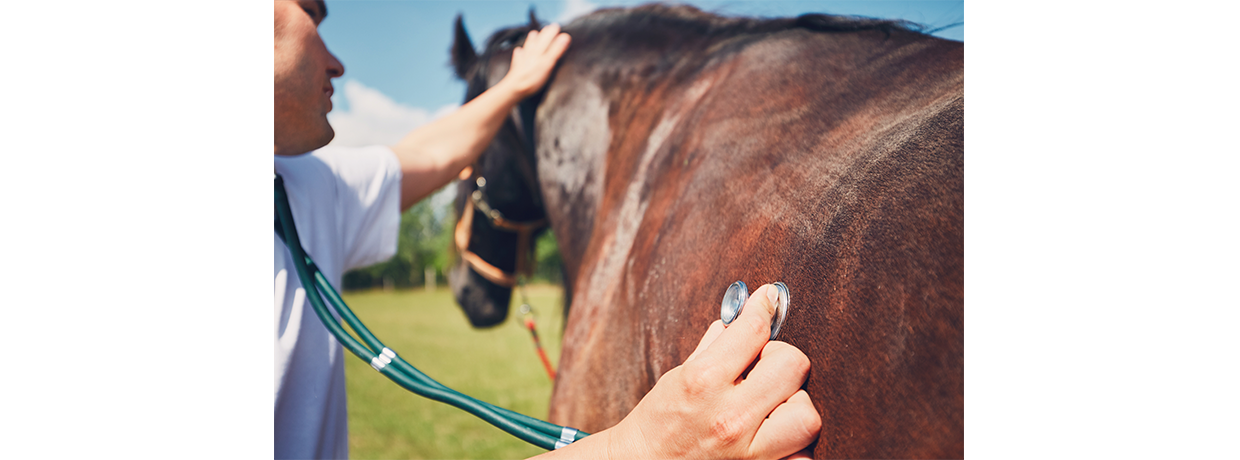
[524,230]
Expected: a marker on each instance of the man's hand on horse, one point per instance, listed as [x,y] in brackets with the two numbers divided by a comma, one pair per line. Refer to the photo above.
[709,407]
[532,62]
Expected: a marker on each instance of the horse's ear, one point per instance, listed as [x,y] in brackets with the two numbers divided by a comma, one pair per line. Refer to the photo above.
[463,55]
[534,20]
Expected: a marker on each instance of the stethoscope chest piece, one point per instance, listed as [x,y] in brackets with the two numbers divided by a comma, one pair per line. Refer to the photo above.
[781,312]
[736,295]
[733,302]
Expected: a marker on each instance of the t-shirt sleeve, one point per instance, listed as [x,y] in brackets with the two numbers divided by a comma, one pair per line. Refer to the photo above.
[367,201]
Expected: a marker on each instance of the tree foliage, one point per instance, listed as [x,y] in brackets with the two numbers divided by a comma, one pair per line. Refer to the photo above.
[426,241]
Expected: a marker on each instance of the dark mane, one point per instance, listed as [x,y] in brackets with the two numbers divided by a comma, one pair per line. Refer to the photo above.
[689,18]
[611,33]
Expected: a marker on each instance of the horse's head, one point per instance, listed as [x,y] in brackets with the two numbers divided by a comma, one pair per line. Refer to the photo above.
[498,206]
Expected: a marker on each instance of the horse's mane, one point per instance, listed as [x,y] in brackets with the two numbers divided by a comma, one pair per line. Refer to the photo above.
[671,41]
[689,19]
[608,32]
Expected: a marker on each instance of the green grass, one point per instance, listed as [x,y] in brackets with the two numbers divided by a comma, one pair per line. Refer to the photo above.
[497,365]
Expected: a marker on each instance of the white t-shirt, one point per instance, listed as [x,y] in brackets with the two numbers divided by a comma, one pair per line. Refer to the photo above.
[346,204]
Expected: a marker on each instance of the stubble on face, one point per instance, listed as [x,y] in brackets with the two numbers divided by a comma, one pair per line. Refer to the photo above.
[303,72]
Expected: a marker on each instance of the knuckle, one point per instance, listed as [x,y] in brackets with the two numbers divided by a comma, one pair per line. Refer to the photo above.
[803,363]
[755,327]
[776,347]
[788,356]
[697,381]
[726,430]
[797,360]
[810,422]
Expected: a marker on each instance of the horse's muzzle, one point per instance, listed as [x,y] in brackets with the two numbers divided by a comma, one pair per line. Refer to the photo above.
[485,303]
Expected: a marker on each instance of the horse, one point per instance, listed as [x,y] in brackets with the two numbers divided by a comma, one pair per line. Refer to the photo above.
[674,151]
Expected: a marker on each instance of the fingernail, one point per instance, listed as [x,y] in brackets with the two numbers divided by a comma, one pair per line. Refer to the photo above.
[772,294]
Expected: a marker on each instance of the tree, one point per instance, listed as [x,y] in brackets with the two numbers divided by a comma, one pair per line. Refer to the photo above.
[426,241]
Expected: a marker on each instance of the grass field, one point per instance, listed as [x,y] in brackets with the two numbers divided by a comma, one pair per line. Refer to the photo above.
[496,365]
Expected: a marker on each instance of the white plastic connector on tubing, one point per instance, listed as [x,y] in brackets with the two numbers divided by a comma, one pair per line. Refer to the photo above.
[384,358]
[566,437]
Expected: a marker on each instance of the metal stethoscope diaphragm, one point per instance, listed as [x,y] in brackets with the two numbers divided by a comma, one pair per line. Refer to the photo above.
[736,295]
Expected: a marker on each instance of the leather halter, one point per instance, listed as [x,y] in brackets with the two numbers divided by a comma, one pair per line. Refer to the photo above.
[522,122]
[524,231]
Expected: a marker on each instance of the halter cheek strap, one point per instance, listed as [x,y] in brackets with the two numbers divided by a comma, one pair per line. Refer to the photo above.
[523,122]
[524,231]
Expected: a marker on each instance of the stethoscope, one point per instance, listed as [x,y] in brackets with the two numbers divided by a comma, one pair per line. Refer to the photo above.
[534,431]
[543,434]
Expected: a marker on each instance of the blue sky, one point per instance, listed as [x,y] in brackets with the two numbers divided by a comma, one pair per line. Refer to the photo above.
[395,53]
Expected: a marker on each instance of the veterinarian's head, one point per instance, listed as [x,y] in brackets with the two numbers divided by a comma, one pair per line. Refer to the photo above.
[304,70]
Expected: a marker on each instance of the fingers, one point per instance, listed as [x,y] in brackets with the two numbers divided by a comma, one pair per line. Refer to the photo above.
[547,35]
[538,55]
[531,40]
[780,371]
[738,344]
[533,62]
[791,427]
[538,42]
[712,333]
[559,45]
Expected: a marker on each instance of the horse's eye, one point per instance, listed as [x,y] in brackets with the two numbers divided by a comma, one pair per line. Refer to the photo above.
[509,42]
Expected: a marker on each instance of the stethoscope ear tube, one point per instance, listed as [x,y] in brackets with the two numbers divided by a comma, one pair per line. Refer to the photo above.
[540,433]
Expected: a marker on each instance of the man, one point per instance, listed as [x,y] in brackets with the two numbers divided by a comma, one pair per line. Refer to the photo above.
[347,205]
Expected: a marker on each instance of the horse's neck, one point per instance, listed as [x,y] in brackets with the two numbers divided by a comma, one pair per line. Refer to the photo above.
[573,138]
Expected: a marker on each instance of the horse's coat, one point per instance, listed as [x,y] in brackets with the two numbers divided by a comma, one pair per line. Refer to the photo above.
[678,151]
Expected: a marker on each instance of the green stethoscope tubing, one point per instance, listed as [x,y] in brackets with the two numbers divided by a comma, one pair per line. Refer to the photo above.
[534,431]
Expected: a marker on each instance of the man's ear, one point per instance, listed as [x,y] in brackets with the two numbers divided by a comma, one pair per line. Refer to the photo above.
[463,55]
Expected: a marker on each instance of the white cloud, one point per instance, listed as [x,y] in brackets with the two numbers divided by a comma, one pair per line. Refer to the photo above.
[574,8]
[375,119]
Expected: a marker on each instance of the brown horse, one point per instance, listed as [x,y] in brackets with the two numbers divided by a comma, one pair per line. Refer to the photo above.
[675,151]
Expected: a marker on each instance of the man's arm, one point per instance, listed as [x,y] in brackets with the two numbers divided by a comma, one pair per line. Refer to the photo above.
[433,154]
[704,409]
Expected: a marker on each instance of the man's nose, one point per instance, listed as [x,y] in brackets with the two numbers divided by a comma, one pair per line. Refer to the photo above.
[334,68]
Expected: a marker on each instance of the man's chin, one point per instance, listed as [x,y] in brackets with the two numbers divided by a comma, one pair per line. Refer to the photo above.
[326,134]
[308,144]
[331,134]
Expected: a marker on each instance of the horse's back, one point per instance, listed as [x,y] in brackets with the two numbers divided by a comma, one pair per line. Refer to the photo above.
[831,162]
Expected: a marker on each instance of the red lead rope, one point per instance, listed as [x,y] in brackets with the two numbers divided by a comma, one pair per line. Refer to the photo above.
[529,324]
